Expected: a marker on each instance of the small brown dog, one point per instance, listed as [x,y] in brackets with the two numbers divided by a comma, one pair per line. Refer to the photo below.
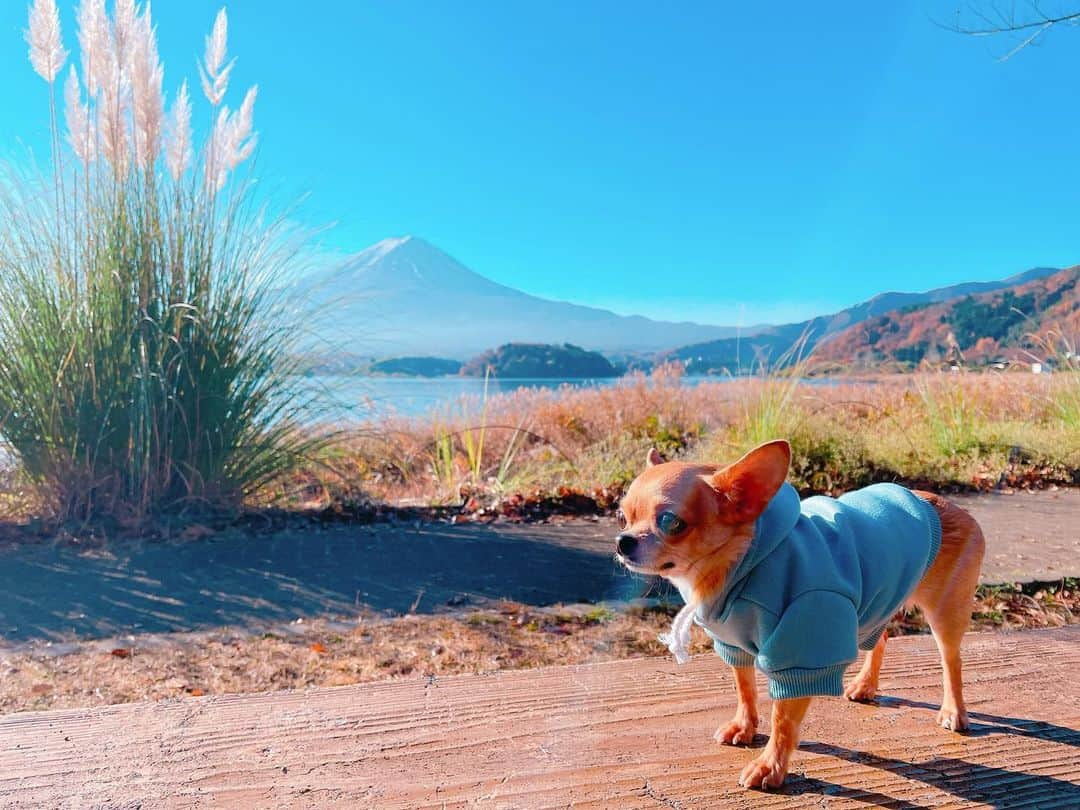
[696,525]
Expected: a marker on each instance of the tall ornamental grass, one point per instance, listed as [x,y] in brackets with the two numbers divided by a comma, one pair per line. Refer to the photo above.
[143,348]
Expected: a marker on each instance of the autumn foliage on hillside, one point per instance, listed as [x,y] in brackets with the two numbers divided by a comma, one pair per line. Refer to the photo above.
[1014,324]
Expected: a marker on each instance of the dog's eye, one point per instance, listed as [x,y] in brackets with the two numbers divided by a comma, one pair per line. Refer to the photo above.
[670,524]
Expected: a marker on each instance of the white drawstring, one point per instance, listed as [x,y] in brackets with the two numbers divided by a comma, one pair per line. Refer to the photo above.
[678,640]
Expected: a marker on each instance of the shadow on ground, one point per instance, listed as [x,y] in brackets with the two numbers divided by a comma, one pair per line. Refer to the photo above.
[59,592]
[971,782]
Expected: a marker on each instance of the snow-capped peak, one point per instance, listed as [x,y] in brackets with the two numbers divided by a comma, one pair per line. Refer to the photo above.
[384,248]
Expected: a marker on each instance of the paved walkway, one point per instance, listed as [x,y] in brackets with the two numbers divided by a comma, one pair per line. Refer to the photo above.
[1030,536]
[59,592]
[630,734]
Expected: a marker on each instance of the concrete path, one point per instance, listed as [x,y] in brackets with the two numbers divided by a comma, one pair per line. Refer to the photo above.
[1030,536]
[630,734]
[59,592]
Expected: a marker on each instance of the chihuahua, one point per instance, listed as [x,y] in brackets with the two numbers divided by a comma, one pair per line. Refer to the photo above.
[795,589]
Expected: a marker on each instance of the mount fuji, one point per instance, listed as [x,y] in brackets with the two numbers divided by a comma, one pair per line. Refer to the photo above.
[404,296]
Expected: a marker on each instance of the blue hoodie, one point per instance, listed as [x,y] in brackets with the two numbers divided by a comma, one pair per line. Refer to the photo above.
[818,580]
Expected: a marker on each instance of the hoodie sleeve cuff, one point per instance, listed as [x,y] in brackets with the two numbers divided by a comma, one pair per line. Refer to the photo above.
[799,683]
[871,640]
[733,655]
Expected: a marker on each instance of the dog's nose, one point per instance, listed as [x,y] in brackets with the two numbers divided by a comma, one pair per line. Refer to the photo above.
[627,544]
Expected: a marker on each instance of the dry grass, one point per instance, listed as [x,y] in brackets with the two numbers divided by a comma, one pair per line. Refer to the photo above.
[512,636]
[944,431]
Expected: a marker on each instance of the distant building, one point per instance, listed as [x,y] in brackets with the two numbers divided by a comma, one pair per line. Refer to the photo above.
[954,356]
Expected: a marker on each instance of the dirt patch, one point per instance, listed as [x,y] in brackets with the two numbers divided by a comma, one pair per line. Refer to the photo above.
[324,653]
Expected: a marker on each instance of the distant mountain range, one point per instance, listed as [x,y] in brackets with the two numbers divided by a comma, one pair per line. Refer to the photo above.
[1010,324]
[771,343]
[405,297]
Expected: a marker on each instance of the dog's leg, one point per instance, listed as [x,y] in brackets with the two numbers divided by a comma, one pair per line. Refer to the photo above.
[945,596]
[740,730]
[864,686]
[948,626]
[770,768]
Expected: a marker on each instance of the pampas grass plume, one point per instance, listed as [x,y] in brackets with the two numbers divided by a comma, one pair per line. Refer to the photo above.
[112,121]
[94,43]
[122,118]
[124,19]
[47,53]
[232,141]
[242,139]
[148,106]
[80,135]
[214,71]
[178,150]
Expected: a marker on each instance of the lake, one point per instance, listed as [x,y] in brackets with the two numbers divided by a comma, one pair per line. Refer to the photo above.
[367,399]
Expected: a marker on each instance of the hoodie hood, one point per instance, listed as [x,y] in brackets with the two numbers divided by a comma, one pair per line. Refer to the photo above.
[770,530]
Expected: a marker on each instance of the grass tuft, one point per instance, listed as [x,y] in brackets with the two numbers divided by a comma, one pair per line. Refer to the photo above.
[144,350]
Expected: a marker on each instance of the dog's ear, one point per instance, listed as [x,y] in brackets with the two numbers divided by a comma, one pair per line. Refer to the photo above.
[653,458]
[747,486]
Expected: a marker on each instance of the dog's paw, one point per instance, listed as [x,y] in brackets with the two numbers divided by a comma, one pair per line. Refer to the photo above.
[953,719]
[738,731]
[767,771]
[863,691]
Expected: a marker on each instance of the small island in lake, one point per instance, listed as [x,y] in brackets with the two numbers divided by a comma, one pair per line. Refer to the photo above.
[540,360]
[415,367]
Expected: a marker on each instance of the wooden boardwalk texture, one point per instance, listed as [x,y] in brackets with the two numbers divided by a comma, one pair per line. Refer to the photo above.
[632,734]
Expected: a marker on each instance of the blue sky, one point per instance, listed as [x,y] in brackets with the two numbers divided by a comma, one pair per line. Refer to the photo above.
[717,162]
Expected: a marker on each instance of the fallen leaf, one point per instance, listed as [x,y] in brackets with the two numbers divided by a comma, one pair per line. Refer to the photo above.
[40,689]
[319,648]
[196,531]
[196,691]
[121,652]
